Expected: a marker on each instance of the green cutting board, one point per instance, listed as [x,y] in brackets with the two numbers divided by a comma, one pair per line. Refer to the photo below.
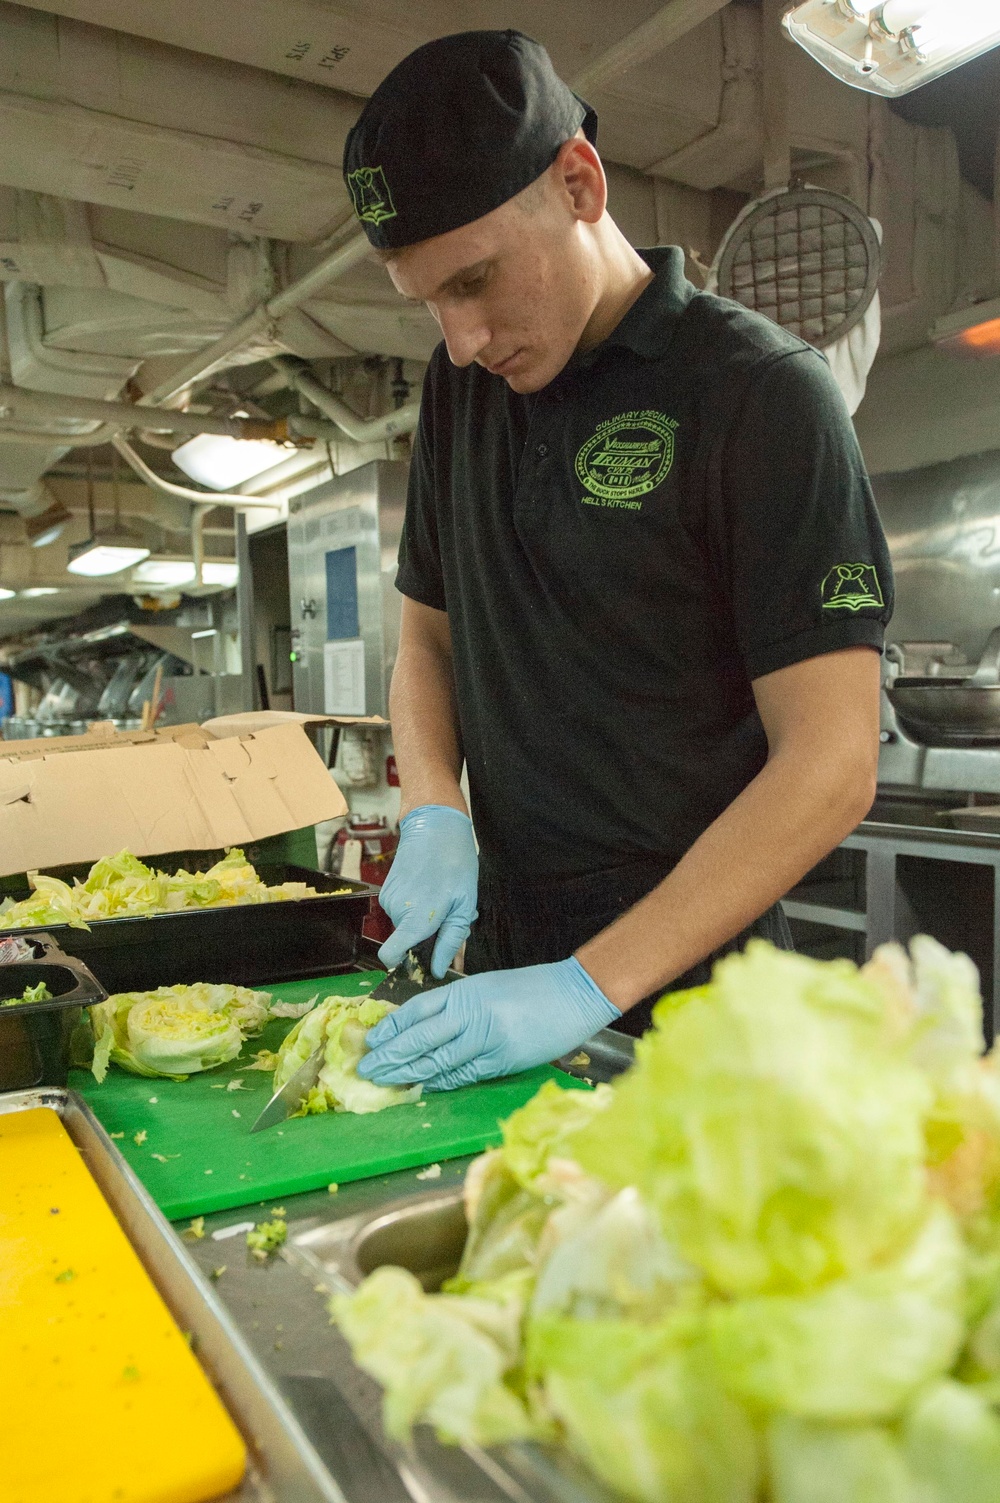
[198,1154]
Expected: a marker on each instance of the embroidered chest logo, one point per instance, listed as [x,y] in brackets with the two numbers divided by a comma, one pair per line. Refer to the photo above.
[848,587]
[628,456]
[370,192]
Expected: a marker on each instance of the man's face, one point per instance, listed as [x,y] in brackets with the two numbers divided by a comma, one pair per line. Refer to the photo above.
[512,291]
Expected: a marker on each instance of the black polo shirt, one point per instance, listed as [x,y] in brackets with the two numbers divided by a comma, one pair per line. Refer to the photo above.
[681,511]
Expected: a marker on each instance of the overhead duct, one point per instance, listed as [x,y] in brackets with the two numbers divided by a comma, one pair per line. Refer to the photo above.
[94,115]
[361,430]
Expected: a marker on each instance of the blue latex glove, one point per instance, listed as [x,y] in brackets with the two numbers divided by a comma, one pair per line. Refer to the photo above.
[432,885]
[493,1024]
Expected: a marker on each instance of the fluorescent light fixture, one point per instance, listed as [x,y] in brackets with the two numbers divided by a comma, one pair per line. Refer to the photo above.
[220,573]
[893,46]
[36,591]
[48,526]
[220,462]
[197,635]
[110,554]
[7,594]
[973,333]
[176,572]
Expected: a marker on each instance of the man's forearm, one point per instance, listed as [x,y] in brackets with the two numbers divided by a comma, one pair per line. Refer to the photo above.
[781,825]
[820,717]
[424,720]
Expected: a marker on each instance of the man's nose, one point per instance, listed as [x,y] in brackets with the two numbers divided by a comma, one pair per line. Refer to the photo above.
[465,335]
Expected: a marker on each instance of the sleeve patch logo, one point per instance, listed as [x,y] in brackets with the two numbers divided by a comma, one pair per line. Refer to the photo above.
[371,196]
[850,587]
[628,456]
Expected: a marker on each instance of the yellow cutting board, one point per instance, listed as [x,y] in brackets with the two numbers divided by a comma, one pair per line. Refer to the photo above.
[101,1399]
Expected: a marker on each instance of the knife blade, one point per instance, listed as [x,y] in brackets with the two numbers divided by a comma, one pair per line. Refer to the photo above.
[291,1095]
[412,976]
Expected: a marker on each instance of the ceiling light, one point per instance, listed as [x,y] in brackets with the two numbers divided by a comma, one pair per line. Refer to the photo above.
[175,572]
[38,590]
[220,462]
[894,46]
[111,553]
[973,333]
[7,594]
[164,571]
[220,573]
[48,526]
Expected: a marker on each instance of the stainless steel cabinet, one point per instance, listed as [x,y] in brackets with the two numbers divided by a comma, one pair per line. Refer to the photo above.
[343,537]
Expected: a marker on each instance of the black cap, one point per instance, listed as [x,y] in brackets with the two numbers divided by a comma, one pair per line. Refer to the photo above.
[455,130]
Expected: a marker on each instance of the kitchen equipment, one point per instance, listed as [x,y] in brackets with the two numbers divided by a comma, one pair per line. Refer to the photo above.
[282,1462]
[289,1098]
[959,710]
[408,979]
[35,1036]
[198,1154]
[245,944]
[413,975]
[343,538]
[808,259]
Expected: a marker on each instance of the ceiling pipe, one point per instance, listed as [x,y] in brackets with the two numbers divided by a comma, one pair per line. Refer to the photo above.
[182,492]
[673,20]
[361,430]
[261,320]
[45,440]
[19,402]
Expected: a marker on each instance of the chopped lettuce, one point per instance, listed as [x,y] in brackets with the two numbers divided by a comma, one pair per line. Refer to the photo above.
[122,886]
[859,1348]
[763,1265]
[266,1237]
[176,1030]
[749,1114]
[642,1405]
[339,1025]
[451,1361]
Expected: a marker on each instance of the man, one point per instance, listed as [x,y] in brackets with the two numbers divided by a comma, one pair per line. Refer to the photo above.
[644,585]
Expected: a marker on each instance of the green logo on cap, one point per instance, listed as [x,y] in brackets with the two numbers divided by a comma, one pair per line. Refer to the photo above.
[370,192]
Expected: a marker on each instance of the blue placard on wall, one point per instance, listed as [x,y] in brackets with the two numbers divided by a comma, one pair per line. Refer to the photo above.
[342,594]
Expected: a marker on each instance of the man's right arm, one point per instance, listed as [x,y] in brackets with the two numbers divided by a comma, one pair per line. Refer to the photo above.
[423,711]
[432,884]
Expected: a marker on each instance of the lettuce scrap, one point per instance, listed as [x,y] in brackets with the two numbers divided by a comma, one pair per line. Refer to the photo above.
[122,886]
[339,1025]
[37,993]
[175,1031]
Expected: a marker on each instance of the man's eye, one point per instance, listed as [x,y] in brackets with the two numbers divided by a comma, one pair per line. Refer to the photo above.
[473,287]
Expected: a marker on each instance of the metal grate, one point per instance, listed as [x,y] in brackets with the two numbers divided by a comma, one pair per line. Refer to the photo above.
[808,259]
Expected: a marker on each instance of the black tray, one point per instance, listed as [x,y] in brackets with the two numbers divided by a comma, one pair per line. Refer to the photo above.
[35,1036]
[245,945]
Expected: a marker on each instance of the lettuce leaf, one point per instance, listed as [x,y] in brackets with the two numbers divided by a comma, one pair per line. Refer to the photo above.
[643,1407]
[859,1348]
[773,1124]
[340,1025]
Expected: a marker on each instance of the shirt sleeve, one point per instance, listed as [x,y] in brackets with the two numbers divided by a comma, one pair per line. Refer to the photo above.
[419,574]
[804,559]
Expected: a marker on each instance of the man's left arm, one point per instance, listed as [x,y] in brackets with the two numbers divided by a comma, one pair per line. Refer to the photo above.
[821,718]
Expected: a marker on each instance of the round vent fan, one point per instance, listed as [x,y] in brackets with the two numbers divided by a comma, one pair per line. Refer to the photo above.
[808,259]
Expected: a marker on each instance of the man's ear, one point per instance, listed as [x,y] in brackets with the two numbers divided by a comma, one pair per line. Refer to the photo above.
[578,171]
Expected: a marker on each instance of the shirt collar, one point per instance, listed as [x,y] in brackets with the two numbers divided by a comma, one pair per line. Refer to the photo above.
[648,325]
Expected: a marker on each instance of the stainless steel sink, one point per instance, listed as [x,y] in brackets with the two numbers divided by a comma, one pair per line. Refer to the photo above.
[422,1233]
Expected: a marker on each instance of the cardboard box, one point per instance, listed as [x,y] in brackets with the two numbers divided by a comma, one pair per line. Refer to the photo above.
[77,798]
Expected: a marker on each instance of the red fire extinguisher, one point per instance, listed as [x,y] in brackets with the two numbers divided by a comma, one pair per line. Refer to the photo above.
[363,850]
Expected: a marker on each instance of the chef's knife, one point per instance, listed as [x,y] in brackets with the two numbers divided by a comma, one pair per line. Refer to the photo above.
[412,976]
[292,1094]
